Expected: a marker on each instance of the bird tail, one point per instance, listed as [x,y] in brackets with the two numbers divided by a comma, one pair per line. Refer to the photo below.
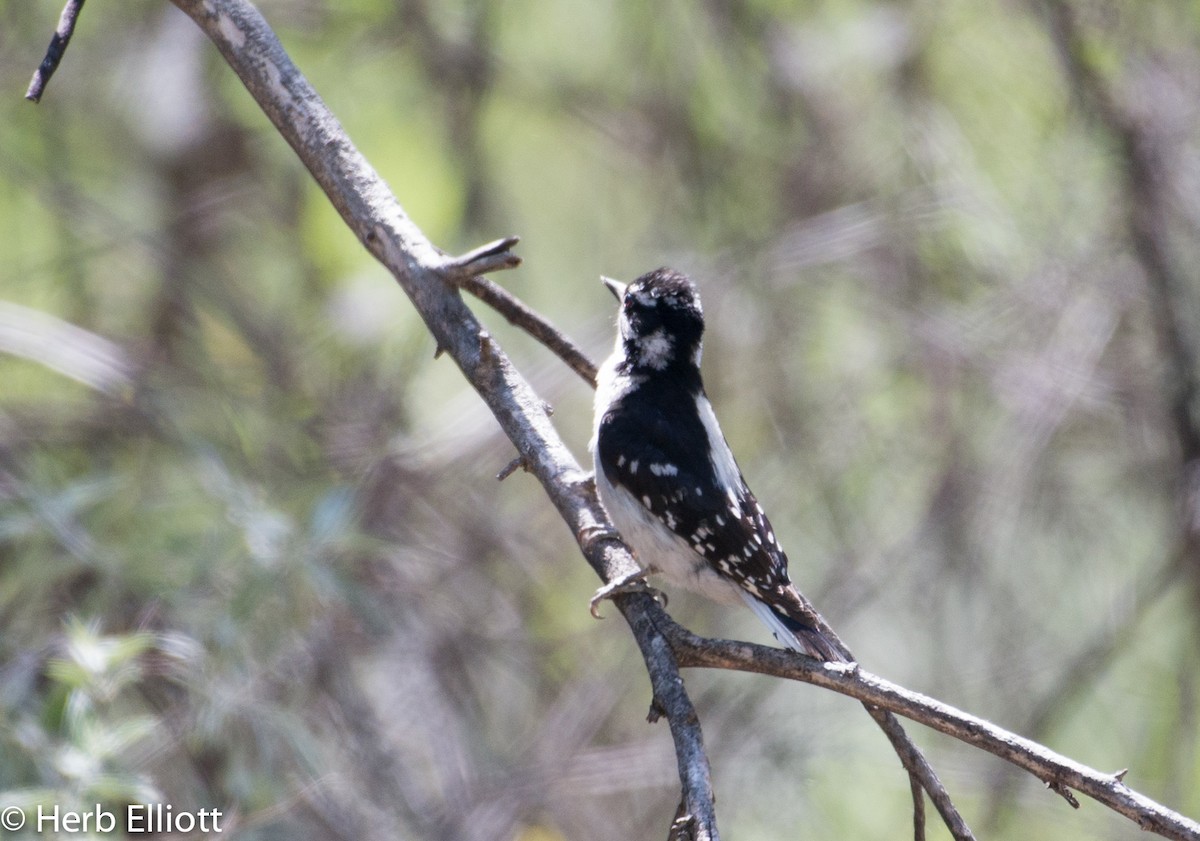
[799,635]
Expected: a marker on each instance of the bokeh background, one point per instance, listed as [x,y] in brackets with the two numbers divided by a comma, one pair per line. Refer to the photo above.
[253,554]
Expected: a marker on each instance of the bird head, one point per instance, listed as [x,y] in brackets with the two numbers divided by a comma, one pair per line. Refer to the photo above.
[660,321]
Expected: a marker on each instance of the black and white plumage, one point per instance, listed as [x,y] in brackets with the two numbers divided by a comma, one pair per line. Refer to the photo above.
[667,477]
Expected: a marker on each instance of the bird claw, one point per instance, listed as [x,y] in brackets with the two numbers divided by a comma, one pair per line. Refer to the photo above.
[588,535]
[634,582]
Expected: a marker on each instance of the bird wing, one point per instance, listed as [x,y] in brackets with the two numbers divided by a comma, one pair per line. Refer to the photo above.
[666,467]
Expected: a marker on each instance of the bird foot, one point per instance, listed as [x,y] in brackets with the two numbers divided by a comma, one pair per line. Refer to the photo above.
[634,582]
[588,535]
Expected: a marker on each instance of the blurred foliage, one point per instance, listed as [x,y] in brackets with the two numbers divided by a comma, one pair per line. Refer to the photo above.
[252,553]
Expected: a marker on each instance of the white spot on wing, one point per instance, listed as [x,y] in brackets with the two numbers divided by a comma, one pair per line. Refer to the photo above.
[664,470]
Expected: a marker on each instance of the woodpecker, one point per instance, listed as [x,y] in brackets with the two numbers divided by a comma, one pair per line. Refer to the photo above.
[667,477]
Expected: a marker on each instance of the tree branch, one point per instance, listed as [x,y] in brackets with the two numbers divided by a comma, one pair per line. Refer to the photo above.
[429,278]
[1056,771]
[518,313]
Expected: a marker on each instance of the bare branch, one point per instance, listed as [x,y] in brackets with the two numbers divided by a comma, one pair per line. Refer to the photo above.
[467,271]
[921,777]
[510,468]
[918,797]
[488,258]
[54,53]
[697,808]
[914,762]
[1058,772]
[518,313]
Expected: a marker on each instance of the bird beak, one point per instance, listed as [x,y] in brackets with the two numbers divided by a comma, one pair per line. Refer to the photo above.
[614,286]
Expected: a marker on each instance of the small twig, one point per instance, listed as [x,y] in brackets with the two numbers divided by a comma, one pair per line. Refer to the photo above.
[518,313]
[683,827]
[910,756]
[918,796]
[921,776]
[493,257]
[54,53]
[466,271]
[1064,792]
[511,468]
